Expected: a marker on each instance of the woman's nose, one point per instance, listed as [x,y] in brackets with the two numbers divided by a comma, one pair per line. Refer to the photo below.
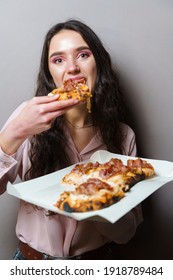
[73,68]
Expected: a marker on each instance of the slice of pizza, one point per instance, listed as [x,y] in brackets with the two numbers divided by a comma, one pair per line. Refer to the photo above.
[140,166]
[128,175]
[92,195]
[76,89]
[82,172]
[113,172]
[99,185]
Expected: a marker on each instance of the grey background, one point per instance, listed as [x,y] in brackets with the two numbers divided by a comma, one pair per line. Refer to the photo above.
[139,36]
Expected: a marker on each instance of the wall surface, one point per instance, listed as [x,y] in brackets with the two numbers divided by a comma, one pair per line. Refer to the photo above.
[138,35]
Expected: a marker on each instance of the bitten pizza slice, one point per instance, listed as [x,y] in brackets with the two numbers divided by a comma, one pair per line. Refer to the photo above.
[76,89]
[92,195]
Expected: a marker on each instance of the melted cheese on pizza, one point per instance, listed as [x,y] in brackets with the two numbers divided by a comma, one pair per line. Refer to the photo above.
[91,195]
[74,89]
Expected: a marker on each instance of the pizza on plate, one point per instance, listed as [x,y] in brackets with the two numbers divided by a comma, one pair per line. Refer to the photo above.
[76,89]
[93,194]
[99,185]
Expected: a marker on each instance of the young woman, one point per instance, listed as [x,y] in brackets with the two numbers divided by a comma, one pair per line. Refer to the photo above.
[45,134]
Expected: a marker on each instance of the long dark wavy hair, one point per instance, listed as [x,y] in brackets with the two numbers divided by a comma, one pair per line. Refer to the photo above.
[48,149]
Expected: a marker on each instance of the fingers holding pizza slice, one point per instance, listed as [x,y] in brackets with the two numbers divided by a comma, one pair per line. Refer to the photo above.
[74,89]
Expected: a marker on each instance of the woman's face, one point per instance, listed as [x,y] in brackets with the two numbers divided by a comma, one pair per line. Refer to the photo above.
[70,57]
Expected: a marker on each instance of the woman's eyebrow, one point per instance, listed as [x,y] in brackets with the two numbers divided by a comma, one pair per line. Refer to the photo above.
[55,53]
[78,49]
[83,48]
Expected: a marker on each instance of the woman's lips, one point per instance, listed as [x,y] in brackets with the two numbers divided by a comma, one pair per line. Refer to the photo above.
[80,78]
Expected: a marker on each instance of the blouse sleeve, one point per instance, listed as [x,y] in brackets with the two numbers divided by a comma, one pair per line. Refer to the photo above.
[124,229]
[10,166]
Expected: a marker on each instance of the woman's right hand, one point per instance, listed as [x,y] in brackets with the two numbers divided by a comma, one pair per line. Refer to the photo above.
[36,117]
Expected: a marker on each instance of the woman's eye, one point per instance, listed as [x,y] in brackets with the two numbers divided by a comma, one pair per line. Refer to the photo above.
[83,55]
[58,60]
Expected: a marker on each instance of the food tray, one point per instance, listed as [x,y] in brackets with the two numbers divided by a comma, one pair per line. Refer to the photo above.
[45,191]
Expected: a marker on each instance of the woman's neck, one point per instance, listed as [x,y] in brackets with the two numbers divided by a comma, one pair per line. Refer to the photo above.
[78,118]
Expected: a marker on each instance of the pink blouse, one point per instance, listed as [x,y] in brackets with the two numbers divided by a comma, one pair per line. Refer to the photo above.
[58,235]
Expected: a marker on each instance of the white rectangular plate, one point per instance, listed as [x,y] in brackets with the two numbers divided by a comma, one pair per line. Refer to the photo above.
[45,191]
